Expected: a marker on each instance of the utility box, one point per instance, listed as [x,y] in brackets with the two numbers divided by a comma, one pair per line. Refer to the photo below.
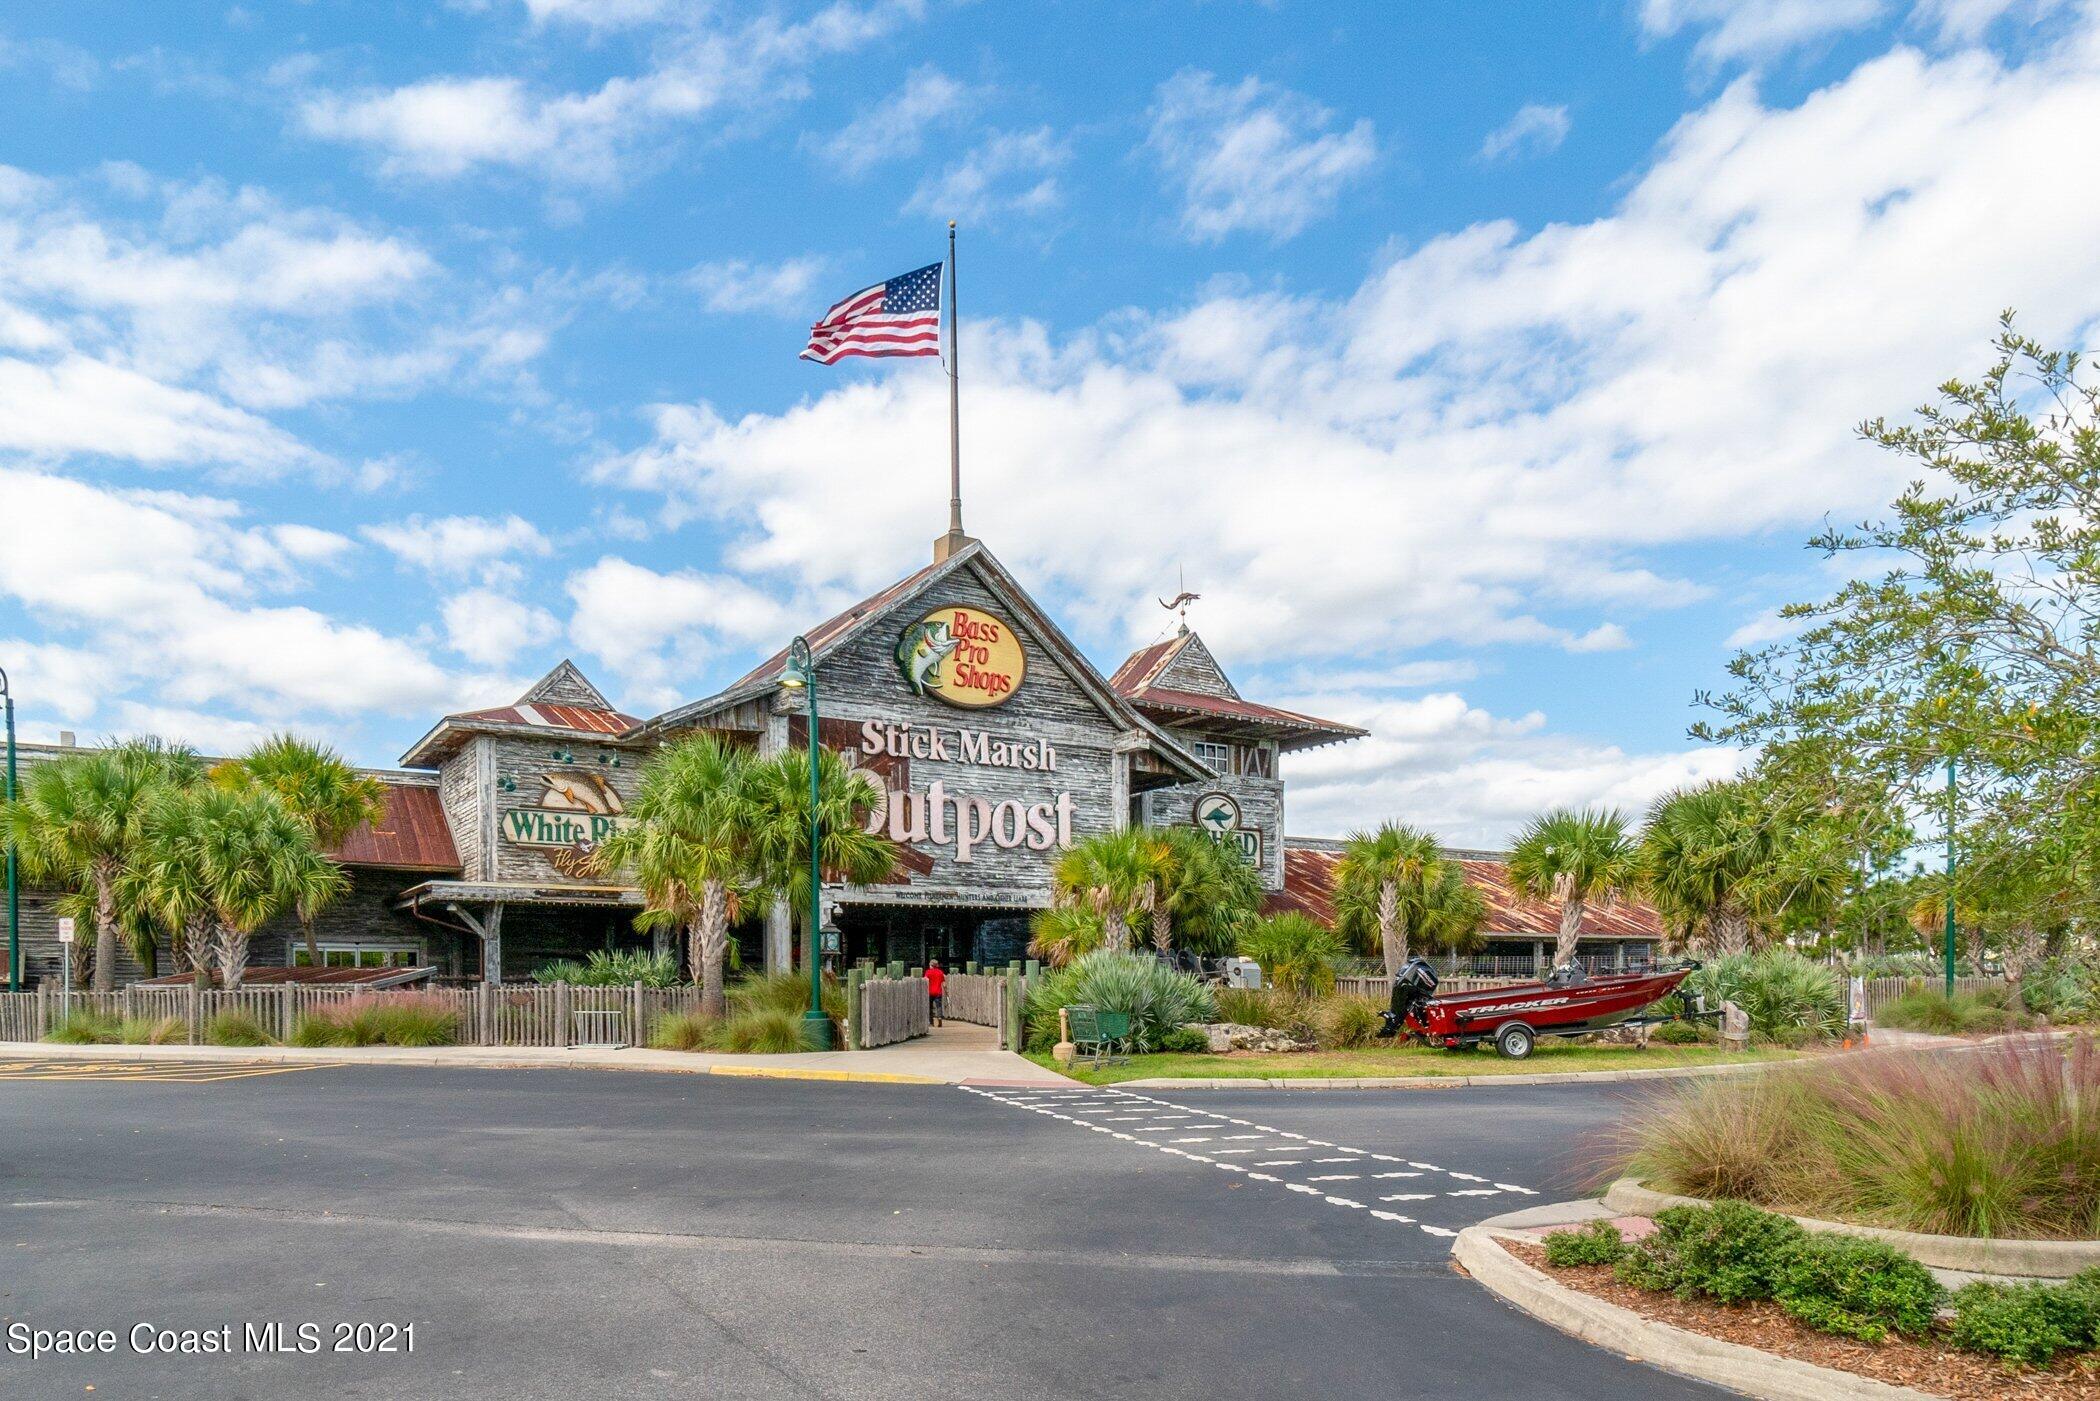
[1242,973]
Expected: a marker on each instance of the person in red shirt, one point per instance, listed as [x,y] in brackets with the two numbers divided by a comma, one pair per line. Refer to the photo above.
[935,981]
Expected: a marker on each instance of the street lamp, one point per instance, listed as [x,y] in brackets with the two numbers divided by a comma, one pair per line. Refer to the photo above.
[14,891]
[1949,949]
[801,675]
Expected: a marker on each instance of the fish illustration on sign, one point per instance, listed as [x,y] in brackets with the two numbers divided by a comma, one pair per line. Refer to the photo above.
[579,790]
[922,649]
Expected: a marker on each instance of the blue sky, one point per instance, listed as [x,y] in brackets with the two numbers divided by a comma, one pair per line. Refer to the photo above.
[1484,366]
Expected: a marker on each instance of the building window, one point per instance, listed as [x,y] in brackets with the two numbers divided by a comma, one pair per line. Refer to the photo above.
[1218,756]
[360,956]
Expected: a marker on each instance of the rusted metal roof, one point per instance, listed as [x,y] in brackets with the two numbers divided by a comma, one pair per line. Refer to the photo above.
[556,717]
[1298,730]
[1145,663]
[1308,888]
[327,977]
[831,627]
[412,835]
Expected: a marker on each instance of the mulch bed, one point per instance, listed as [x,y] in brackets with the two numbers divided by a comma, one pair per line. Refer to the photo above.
[1926,1366]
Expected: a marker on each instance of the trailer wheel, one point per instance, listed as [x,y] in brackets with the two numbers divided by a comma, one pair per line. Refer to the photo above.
[1514,1042]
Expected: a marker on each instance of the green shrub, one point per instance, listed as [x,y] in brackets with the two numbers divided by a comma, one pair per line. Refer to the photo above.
[763,1031]
[1186,1040]
[685,1031]
[1678,1034]
[1777,989]
[1345,1022]
[236,1027]
[1729,1251]
[2025,1322]
[1598,1243]
[609,969]
[1856,1288]
[1964,1014]
[2064,989]
[1297,953]
[1157,998]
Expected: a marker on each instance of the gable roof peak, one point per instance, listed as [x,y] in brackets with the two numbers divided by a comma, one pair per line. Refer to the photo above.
[565,685]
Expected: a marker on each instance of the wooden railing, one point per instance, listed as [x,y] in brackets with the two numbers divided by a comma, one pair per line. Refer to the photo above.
[891,1010]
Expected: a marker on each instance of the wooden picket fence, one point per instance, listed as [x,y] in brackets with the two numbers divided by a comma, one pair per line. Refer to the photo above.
[520,1014]
[973,998]
[1882,991]
[1380,989]
[891,1010]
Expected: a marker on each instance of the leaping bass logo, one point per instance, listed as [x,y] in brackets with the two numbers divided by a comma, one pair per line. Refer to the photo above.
[964,656]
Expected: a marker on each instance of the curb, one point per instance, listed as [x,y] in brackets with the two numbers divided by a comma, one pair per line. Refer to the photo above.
[332,1056]
[1673,1349]
[1448,1082]
[1994,1256]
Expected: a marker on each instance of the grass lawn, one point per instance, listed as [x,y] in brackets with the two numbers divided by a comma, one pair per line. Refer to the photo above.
[1550,1057]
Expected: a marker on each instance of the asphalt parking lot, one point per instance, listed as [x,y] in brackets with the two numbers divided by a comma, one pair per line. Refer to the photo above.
[551,1233]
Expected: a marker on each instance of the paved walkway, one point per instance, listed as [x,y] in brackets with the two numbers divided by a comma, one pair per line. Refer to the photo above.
[953,1054]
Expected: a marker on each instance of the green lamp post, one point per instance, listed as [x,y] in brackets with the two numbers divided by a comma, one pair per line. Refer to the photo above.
[14,891]
[1948,951]
[801,675]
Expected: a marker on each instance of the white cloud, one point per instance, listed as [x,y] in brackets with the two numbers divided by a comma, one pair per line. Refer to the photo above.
[460,545]
[1536,130]
[163,585]
[738,286]
[1469,776]
[1009,172]
[654,628]
[597,14]
[78,404]
[1605,637]
[1756,29]
[48,678]
[1253,157]
[491,628]
[1963,21]
[443,127]
[896,127]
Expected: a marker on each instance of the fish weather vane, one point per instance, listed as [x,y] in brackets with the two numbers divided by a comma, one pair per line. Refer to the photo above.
[1181,601]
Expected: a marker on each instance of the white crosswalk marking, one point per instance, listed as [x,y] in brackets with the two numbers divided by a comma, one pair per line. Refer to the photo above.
[1098,1110]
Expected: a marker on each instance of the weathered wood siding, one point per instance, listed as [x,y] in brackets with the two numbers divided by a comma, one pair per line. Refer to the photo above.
[862,682]
[1261,807]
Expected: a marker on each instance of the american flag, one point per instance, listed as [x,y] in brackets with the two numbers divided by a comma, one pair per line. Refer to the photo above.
[899,317]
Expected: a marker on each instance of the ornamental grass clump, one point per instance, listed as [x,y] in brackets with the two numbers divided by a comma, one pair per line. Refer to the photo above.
[1345,1022]
[686,1031]
[1157,998]
[785,992]
[2004,1141]
[1964,1014]
[236,1026]
[380,1019]
[85,1029]
[763,1031]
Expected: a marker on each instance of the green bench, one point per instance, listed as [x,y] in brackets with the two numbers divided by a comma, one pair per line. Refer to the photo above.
[1099,1037]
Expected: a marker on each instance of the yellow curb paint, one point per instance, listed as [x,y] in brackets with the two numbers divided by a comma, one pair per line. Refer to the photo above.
[765,1072]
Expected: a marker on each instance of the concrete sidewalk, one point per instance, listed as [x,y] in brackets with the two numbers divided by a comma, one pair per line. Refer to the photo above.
[953,1054]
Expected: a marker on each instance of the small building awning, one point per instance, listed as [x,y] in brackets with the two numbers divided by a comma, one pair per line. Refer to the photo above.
[306,977]
[473,892]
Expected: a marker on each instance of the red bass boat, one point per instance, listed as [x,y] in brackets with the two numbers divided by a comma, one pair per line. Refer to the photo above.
[1570,1002]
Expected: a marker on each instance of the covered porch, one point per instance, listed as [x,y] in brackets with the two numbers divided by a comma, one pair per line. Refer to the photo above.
[497,929]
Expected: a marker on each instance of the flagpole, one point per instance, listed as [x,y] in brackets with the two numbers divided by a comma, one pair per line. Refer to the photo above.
[954,539]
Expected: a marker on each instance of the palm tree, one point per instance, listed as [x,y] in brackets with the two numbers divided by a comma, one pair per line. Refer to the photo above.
[1384,882]
[850,854]
[256,860]
[1114,874]
[1208,894]
[166,881]
[1573,858]
[76,823]
[1700,858]
[1064,934]
[318,788]
[690,846]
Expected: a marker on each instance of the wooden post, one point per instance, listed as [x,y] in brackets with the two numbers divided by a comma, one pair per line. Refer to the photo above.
[194,1029]
[634,1037]
[43,1013]
[128,1003]
[1064,1051]
[482,1012]
[561,1014]
[856,979]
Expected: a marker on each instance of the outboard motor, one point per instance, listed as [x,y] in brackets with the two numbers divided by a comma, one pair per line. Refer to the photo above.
[1412,988]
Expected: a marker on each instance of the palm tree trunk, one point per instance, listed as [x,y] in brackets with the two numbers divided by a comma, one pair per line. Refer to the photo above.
[313,937]
[1118,930]
[1162,922]
[233,956]
[105,931]
[1392,935]
[1570,930]
[1731,928]
[710,940]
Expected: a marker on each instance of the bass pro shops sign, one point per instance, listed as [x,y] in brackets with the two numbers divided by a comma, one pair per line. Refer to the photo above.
[963,656]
